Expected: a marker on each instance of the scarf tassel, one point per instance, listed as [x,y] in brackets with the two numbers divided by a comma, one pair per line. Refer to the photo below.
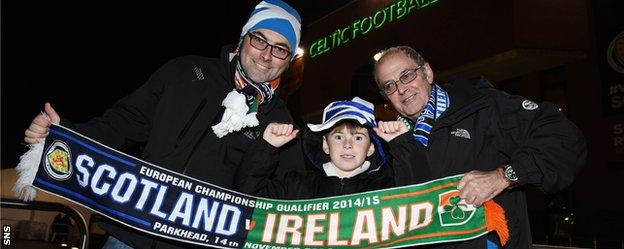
[235,116]
[495,220]
[27,170]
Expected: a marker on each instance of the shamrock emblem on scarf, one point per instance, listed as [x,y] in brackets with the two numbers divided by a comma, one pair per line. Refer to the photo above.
[455,208]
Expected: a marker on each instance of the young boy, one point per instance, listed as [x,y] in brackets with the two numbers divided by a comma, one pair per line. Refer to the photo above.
[347,153]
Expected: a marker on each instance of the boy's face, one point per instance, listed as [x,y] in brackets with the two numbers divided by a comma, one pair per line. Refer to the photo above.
[347,148]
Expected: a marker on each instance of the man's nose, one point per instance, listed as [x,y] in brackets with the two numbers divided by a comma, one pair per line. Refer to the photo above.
[266,53]
[401,88]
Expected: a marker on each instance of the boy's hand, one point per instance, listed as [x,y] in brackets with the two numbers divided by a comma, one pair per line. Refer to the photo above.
[278,134]
[390,129]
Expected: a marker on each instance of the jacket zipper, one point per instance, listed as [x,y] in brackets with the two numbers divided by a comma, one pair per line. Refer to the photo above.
[188,124]
[194,149]
[201,138]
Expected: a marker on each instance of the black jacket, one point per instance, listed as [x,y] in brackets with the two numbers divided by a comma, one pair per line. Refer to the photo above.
[172,115]
[485,128]
[255,174]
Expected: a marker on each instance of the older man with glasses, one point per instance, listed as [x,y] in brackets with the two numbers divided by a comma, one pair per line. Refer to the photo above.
[183,114]
[502,143]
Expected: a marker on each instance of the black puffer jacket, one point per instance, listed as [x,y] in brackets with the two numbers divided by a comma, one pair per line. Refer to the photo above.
[172,114]
[485,128]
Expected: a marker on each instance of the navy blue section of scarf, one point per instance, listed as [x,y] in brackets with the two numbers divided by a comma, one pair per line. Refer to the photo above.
[438,102]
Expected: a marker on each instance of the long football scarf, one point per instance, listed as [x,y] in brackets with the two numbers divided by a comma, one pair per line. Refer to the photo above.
[161,202]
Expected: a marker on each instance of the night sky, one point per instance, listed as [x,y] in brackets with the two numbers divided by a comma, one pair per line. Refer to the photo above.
[83,56]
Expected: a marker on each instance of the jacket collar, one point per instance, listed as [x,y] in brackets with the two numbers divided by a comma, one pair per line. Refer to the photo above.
[467,96]
[330,170]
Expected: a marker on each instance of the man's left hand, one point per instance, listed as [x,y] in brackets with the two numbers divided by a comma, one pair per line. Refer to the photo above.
[477,187]
[388,130]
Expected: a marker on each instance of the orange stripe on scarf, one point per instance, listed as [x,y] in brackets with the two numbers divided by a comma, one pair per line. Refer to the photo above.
[274,84]
[239,83]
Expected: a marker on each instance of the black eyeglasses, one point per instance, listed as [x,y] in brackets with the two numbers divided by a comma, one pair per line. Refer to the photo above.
[390,87]
[261,44]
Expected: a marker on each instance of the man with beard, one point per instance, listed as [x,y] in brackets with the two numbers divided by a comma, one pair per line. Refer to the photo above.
[197,116]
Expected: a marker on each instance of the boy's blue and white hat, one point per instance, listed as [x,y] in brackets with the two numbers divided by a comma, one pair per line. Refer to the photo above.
[277,16]
[356,109]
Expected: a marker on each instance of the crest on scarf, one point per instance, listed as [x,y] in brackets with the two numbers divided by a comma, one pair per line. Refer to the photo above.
[58,161]
[453,211]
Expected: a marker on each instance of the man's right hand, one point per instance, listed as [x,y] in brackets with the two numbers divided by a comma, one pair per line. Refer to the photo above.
[278,134]
[40,126]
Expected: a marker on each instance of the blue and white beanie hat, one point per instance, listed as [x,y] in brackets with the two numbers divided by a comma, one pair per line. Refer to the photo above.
[356,109]
[277,16]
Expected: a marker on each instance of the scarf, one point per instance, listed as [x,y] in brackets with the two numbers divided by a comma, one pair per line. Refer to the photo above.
[148,198]
[241,104]
[255,93]
[438,102]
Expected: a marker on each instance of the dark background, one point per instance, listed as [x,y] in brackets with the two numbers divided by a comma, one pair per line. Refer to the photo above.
[83,56]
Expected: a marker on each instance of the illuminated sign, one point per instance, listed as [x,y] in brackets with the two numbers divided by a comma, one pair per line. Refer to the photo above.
[363,26]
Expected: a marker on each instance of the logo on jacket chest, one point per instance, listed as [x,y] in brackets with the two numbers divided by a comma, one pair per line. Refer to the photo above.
[251,133]
[529,105]
[199,75]
[459,132]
